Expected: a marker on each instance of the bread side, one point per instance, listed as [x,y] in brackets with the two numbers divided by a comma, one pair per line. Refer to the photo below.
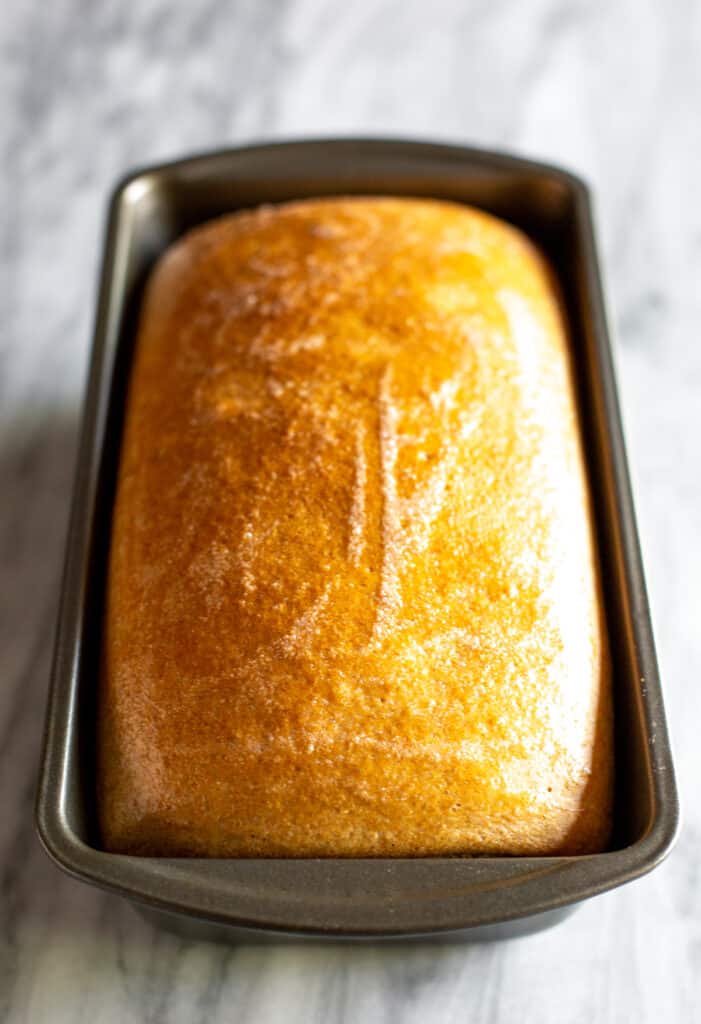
[352,605]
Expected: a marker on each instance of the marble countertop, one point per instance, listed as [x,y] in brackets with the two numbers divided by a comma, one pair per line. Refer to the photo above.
[88,90]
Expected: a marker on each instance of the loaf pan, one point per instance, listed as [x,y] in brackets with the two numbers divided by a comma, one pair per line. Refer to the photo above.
[354,898]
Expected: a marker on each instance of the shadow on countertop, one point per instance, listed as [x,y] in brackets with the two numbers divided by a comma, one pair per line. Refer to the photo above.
[37,458]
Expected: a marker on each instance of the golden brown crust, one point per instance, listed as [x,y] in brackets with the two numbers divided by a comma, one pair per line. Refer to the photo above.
[352,604]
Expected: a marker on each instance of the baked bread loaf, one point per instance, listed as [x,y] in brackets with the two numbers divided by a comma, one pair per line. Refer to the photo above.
[352,606]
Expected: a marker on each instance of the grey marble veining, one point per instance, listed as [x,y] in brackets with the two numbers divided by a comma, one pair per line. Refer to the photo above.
[89,89]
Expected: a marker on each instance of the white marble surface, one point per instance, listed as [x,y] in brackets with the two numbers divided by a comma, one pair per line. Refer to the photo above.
[612,89]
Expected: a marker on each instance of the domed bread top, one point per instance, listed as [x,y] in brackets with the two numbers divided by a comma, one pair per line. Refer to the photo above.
[352,606]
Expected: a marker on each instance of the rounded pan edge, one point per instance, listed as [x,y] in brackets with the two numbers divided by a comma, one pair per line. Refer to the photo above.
[353,898]
[382,148]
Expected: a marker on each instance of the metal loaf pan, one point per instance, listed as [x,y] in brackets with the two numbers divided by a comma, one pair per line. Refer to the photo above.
[365,898]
